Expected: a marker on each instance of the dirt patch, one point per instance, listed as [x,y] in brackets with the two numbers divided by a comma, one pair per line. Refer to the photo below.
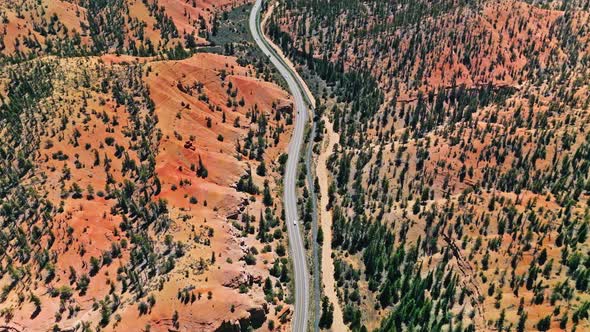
[326,223]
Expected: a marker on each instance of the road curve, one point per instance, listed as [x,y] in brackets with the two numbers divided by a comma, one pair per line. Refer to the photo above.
[300,316]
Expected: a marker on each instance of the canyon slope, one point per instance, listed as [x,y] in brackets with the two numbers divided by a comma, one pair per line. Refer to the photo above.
[141,169]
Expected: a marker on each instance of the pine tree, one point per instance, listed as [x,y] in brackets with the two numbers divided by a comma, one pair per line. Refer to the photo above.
[201,170]
[267,197]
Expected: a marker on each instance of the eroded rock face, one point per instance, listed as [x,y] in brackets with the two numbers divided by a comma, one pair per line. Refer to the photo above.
[240,278]
[287,108]
[236,213]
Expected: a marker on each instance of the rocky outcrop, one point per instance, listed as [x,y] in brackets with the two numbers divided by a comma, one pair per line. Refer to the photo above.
[286,108]
[238,279]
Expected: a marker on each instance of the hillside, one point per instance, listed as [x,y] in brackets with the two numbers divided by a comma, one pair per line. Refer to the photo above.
[84,27]
[459,187]
[140,190]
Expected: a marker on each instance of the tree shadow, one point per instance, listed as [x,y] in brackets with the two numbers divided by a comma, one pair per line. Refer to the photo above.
[36,312]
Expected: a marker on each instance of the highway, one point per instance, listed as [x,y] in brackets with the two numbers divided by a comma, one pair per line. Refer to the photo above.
[297,250]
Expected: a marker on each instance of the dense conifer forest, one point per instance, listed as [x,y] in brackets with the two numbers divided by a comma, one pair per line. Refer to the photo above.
[460,184]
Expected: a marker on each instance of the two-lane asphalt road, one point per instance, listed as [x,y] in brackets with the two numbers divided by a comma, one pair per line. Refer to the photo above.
[290,197]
